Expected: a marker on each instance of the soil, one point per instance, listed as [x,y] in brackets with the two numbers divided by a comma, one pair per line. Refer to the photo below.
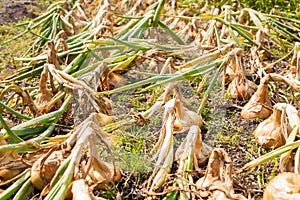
[13,11]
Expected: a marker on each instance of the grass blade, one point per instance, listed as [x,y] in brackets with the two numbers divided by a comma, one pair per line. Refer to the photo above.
[171,33]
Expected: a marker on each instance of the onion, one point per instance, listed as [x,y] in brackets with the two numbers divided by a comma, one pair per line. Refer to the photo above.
[80,190]
[44,95]
[185,118]
[229,74]
[241,88]
[258,105]
[7,157]
[285,186]
[42,173]
[102,173]
[193,144]
[218,177]
[7,174]
[269,132]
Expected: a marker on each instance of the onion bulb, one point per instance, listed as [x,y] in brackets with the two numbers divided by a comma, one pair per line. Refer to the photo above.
[241,88]
[185,118]
[258,105]
[43,172]
[269,132]
[7,157]
[218,177]
[44,95]
[80,190]
[193,144]
[102,173]
[285,186]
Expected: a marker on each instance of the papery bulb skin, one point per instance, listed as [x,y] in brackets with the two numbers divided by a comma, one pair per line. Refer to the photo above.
[269,132]
[241,89]
[285,186]
[259,104]
[43,170]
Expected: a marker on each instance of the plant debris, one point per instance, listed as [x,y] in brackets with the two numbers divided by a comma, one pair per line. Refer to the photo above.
[115,100]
